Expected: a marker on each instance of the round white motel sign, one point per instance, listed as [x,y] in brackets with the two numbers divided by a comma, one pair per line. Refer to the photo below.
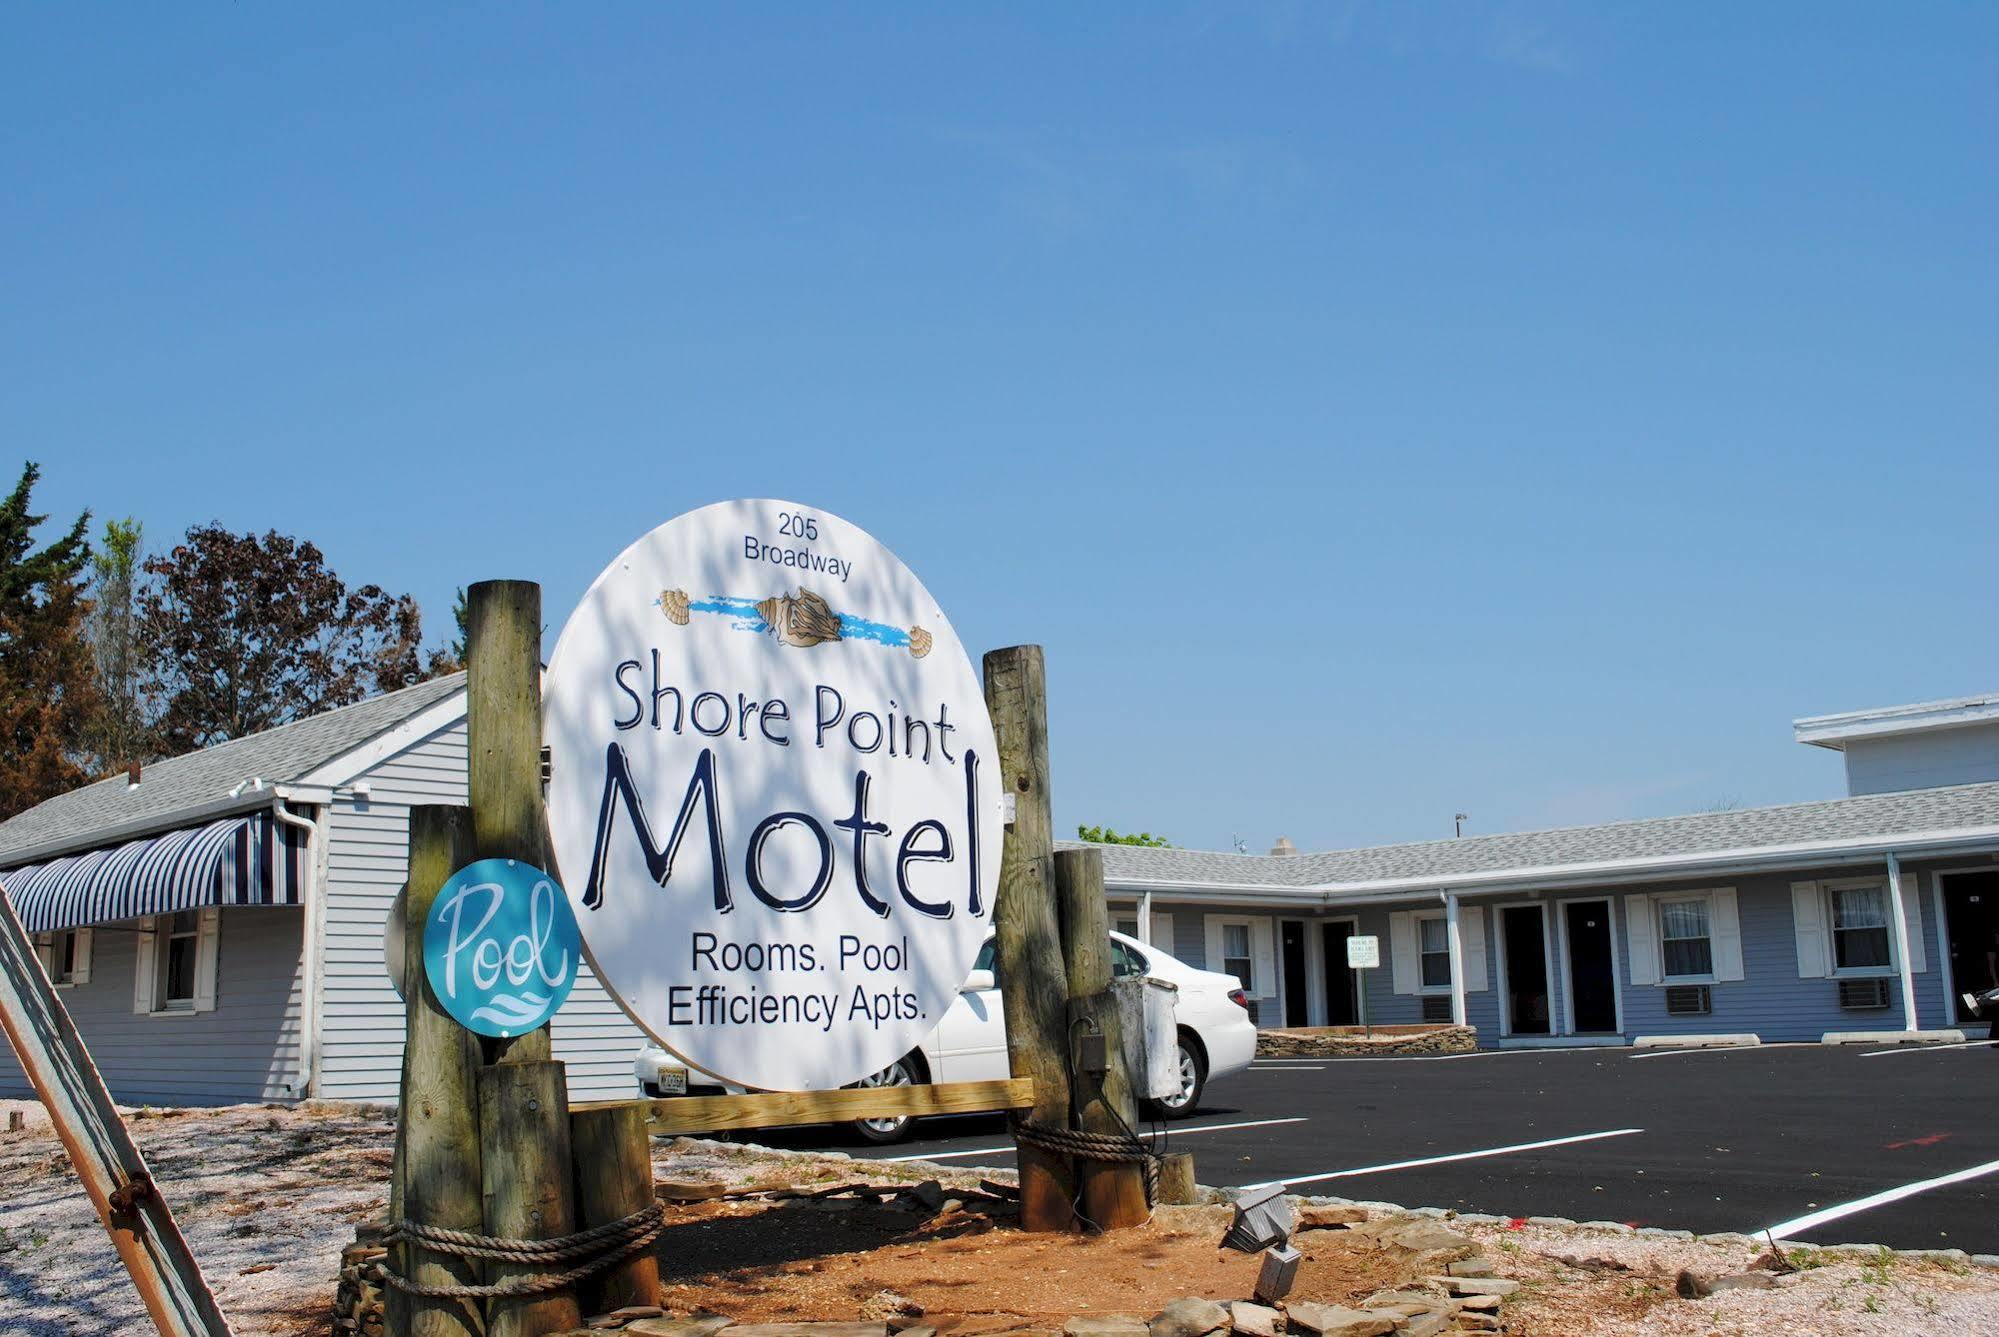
[775,795]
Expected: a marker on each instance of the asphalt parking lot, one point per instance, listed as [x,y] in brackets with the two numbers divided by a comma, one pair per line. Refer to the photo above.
[1827,1145]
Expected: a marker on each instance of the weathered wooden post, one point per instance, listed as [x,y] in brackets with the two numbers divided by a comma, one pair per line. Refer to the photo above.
[614,1179]
[1113,1191]
[1032,987]
[437,1123]
[523,1098]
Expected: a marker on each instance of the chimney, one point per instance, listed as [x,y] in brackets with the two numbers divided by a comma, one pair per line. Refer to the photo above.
[132,775]
[1283,847]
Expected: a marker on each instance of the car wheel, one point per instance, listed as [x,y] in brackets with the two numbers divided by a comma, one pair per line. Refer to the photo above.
[902,1072]
[1193,1076]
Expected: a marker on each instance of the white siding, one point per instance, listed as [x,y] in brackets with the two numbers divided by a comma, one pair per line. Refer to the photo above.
[244,1050]
[361,1045]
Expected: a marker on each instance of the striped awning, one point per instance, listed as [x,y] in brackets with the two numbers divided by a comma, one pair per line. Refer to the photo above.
[251,860]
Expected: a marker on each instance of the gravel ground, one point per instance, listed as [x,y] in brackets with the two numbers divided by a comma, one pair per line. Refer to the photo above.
[268,1195]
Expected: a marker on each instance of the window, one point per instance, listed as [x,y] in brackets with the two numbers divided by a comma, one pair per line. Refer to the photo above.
[1126,925]
[1236,959]
[1859,928]
[65,956]
[1687,949]
[176,967]
[1435,946]
[178,947]
[1125,960]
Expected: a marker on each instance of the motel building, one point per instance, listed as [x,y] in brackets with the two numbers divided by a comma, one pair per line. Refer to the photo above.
[215,924]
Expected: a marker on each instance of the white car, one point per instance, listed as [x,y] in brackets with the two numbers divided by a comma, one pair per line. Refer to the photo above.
[1216,1038]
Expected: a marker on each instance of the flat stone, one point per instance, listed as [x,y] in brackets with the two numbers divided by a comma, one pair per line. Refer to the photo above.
[930,1193]
[1328,1216]
[1477,1304]
[1422,1236]
[1255,1320]
[1105,1325]
[618,1318]
[701,1325]
[1191,1317]
[688,1190]
[1424,1325]
[809,1330]
[915,1330]
[1405,1301]
[887,1305]
[1479,1285]
[1470,1267]
[1340,1321]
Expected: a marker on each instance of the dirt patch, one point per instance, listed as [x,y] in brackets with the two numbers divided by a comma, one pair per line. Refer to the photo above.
[804,1260]
[1377,1042]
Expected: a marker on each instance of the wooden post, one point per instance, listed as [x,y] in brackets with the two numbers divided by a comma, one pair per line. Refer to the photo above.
[1176,1179]
[100,1148]
[524,1108]
[1032,988]
[503,729]
[1113,1191]
[437,1119]
[613,1180]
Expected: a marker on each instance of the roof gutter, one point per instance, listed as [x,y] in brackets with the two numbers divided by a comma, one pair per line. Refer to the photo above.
[224,805]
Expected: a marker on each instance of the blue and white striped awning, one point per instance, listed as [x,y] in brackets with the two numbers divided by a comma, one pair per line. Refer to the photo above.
[237,861]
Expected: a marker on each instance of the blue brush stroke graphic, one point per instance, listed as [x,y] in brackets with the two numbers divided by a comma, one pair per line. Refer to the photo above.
[727,606]
[749,619]
[860,629]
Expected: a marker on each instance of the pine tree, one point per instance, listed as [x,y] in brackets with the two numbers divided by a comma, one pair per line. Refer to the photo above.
[48,691]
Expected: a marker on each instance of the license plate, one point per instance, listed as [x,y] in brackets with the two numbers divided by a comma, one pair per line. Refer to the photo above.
[673,1082]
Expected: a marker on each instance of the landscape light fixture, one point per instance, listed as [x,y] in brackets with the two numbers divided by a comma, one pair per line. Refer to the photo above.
[1262,1219]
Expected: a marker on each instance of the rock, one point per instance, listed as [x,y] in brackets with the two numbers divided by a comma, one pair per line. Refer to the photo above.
[1329,1216]
[951,1205]
[914,1330]
[688,1190]
[1191,1317]
[930,1193]
[1255,1320]
[701,1325]
[1477,1303]
[886,1305]
[1424,1325]
[808,1330]
[1478,1285]
[1421,1236]
[618,1318]
[1405,1302]
[1340,1321]
[1470,1267]
[1690,1287]
[1104,1325]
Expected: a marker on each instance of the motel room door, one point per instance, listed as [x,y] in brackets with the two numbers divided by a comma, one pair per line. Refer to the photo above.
[1971,921]
[1526,954]
[1592,981]
[1297,999]
[1342,994]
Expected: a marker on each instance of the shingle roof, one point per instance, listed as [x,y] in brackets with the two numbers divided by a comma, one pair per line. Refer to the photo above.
[1867,817]
[279,756]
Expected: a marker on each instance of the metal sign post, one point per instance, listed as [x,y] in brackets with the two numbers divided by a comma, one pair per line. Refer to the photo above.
[100,1148]
[1364,954]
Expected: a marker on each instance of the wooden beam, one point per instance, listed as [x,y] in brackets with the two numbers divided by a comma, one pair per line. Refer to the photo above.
[437,1118]
[100,1148]
[789,1109]
[613,1180]
[530,1191]
[1032,990]
[1113,1191]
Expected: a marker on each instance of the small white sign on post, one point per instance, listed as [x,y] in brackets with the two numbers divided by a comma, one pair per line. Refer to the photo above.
[1363,953]
[774,795]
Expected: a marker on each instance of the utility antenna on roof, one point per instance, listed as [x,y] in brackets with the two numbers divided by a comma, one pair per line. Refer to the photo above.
[1458,821]
[1240,847]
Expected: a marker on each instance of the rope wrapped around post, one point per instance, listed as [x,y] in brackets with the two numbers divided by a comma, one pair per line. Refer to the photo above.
[1094,1147]
[600,1246]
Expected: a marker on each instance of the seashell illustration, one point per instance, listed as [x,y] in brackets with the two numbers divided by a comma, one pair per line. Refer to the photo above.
[919,642]
[803,619]
[674,604]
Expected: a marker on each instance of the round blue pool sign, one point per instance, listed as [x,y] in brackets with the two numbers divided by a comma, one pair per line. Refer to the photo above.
[500,947]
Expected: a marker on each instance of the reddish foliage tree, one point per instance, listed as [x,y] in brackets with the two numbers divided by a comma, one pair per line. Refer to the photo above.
[249,632]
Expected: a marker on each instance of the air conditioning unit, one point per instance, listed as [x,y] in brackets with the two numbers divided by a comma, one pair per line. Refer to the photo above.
[1437,1008]
[1863,995]
[1688,1000]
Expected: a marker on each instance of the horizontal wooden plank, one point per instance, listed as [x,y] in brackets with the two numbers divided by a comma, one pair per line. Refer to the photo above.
[784,1109]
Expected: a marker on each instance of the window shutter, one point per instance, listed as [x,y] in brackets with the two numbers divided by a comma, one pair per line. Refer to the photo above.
[45,952]
[1162,932]
[1471,942]
[1213,923]
[1263,957]
[1402,950]
[1641,934]
[1912,919]
[1808,922]
[204,959]
[83,946]
[145,991]
[1724,928]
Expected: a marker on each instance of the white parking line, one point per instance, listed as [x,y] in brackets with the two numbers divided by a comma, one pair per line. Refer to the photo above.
[1177,1132]
[1453,1156]
[1476,1053]
[1287,1067]
[1923,1049]
[1729,1049]
[1788,1229]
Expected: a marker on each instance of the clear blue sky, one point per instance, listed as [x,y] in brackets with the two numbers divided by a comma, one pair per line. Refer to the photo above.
[1376,411]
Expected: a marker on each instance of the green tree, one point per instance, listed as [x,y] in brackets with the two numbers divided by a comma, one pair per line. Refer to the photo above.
[122,733]
[48,692]
[247,632]
[1104,835]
